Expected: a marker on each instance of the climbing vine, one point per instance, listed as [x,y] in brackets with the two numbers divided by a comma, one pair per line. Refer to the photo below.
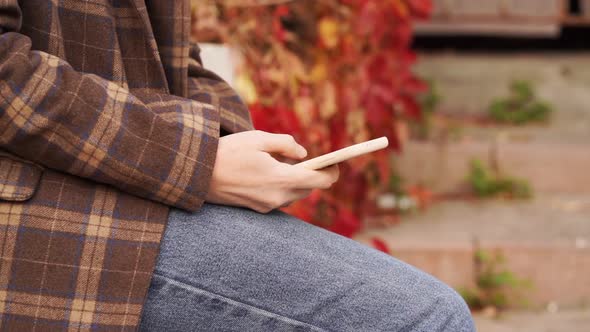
[331,73]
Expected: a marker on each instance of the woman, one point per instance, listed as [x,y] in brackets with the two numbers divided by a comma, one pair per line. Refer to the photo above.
[114,139]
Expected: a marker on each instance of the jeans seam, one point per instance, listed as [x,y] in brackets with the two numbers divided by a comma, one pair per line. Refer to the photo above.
[257,310]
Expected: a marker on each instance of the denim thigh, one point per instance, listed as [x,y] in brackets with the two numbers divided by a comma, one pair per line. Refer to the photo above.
[232,269]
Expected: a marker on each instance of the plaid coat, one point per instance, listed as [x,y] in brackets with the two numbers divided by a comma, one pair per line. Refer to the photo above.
[106,119]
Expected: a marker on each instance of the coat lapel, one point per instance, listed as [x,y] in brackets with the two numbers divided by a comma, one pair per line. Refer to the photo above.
[143,9]
[171,23]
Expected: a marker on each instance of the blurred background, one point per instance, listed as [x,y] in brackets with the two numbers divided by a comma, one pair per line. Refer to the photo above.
[487,104]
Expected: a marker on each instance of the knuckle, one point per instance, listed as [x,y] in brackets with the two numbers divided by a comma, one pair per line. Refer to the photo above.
[259,134]
[277,202]
[327,185]
[283,178]
[256,134]
[270,204]
[289,138]
[335,178]
[335,175]
[263,209]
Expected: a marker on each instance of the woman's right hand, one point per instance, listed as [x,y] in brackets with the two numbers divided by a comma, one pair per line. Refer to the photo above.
[245,174]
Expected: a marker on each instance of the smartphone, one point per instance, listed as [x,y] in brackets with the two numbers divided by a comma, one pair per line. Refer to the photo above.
[341,155]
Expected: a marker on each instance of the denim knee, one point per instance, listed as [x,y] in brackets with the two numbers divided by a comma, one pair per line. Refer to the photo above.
[455,310]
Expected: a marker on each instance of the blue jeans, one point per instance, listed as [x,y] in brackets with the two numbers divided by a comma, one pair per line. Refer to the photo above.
[232,269]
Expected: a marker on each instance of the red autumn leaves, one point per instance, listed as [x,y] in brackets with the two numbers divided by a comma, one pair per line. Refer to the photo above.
[333,73]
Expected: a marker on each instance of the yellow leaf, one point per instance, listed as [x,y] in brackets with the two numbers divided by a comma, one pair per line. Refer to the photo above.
[356,126]
[329,32]
[304,110]
[276,75]
[319,72]
[246,89]
[328,105]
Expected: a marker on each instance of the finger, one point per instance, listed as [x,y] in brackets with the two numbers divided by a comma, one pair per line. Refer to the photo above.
[298,194]
[285,160]
[331,174]
[282,144]
[277,200]
[333,171]
[295,195]
[322,179]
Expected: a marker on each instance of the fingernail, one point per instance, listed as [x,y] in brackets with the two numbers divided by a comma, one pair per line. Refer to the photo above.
[301,152]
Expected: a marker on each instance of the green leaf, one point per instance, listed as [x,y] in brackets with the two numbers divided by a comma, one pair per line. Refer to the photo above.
[520,107]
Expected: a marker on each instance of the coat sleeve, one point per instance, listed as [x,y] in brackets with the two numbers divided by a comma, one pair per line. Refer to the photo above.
[205,86]
[81,124]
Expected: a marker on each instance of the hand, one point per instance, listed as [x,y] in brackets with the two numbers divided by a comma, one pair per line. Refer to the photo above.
[245,174]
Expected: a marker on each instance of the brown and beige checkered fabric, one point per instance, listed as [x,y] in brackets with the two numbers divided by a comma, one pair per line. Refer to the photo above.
[106,119]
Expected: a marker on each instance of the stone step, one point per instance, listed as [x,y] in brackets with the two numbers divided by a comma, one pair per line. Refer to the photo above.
[468,83]
[549,167]
[546,240]
[535,321]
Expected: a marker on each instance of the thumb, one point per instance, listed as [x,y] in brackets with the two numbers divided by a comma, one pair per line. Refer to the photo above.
[282,144]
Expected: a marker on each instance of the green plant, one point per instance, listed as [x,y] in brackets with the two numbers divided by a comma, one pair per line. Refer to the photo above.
[485,183]
[429,101]
[495,285]
[521,106]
